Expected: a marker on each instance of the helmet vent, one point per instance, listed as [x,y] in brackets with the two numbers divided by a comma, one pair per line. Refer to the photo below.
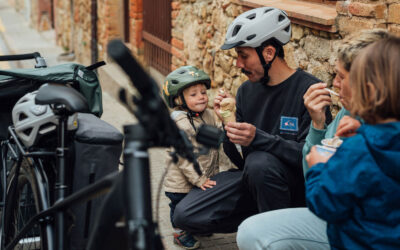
[45,128]
[236,30]
[174,82]
[27,131]
[287,29]
[251,37]
[251,16]
[281,18]
[267,10]
[22,116]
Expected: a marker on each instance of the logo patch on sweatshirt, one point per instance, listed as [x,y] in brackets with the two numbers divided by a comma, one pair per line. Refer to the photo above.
[289,124]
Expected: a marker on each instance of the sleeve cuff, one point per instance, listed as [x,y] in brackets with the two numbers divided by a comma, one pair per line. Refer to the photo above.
[316,135]
[201,181]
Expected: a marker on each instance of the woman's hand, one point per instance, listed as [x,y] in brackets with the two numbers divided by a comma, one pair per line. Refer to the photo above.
[347,126]
[314,157]
[208,184]
[316,99]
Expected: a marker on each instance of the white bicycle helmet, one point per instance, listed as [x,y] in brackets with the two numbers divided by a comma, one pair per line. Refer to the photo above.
[32,121]
[253,27]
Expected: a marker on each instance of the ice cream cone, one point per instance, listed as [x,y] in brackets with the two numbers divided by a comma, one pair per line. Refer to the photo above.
[227,110]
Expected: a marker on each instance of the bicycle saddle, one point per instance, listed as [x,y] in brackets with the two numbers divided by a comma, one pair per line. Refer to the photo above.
[60,94]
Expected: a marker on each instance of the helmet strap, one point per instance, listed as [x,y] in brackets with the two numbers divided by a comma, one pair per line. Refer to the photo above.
[190,113]
[266,66]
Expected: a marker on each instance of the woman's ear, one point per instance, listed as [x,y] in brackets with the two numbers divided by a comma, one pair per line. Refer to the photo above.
[178,101]
[269,53]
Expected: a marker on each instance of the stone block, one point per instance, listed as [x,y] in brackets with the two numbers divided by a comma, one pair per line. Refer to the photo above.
[395,29]
[367,10]
[342,7]
[136,6]
[317,47]
[218,76]
[297,32]
[177,53]
[177,43]
[175,5]
[349,25]
[174,14]
[394,13]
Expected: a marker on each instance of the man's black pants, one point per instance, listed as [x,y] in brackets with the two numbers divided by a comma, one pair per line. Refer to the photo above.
[265,184]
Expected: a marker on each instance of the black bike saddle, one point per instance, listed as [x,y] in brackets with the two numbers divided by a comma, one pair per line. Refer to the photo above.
[60,94]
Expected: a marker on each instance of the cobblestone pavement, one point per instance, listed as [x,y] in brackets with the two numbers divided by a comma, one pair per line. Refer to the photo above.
[117,115]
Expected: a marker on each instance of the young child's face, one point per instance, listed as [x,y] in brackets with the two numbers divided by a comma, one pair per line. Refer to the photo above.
[196,97]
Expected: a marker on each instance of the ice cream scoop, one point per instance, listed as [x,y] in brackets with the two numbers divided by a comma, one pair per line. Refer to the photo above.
[227,110]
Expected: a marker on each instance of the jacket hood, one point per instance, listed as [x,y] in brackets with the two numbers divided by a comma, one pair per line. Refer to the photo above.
[383,141]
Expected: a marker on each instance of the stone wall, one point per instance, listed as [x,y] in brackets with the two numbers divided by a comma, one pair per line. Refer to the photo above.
[366,14]
[63,24]
[73,26]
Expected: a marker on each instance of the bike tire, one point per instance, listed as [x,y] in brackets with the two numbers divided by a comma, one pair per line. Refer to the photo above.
[25,205]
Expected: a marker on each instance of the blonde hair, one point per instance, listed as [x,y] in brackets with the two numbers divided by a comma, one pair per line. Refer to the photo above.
[352,44]
[375,81]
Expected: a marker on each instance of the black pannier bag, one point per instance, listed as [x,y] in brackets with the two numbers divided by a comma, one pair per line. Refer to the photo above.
[96,152]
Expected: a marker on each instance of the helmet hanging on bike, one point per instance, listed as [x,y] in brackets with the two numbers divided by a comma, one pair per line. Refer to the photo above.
[252,28]
[180,79]
[32,121]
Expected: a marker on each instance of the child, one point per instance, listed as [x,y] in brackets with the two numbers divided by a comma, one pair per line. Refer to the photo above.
[358,190]
[185,90]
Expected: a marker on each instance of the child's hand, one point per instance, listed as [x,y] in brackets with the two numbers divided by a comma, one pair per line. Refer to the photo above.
[314,157]
[208,184]
[347,127]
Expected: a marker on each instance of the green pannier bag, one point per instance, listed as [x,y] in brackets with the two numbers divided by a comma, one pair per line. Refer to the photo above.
[82,78]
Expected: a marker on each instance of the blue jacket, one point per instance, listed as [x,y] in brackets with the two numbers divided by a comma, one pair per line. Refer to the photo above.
[358,190]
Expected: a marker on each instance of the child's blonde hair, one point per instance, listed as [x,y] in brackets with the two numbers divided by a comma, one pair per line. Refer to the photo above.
[375,81]
[352,44]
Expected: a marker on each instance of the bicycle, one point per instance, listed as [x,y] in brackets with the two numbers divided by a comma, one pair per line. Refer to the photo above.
[128,191]
[31,191]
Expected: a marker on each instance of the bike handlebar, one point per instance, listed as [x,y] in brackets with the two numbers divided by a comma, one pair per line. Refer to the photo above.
[40,62]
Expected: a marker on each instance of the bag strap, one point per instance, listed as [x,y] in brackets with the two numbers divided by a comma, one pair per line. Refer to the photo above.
[95,65]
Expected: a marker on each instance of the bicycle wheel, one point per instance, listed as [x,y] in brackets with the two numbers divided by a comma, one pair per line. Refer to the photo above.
[23,206]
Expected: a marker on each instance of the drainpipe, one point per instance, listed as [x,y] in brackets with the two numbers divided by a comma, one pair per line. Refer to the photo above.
[93,43]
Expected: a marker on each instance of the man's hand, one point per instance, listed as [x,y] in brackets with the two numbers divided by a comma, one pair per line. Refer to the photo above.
[316,99]
[217,100]
[208,184]
[241,133]
[314,157]
[347,126]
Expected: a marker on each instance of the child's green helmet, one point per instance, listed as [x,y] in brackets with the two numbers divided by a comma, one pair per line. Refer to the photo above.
[180,79]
